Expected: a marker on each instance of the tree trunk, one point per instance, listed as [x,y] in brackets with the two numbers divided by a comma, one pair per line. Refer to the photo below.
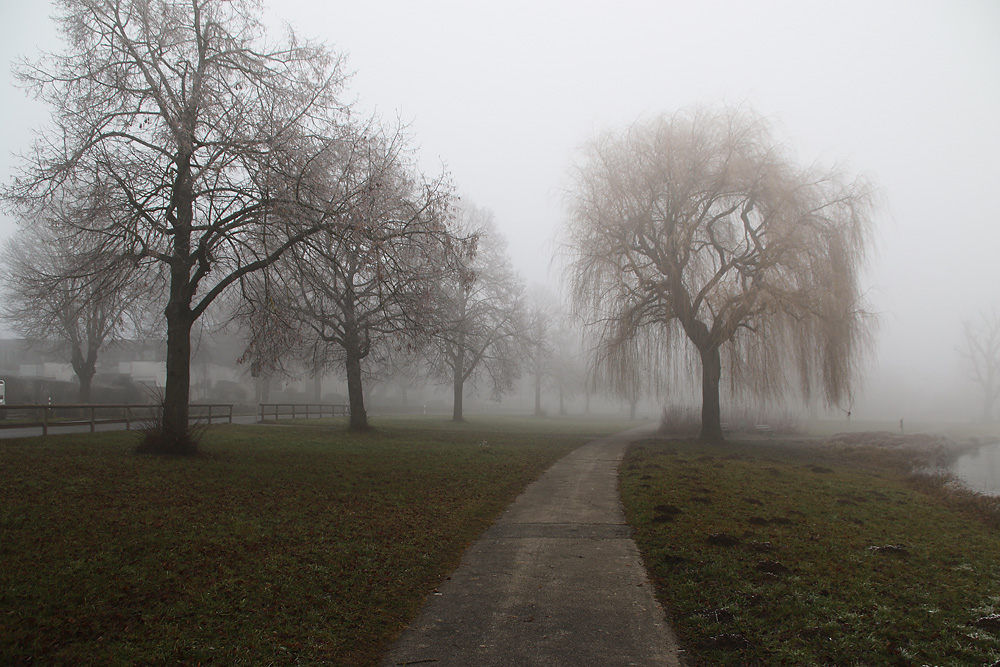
[86,379]
[456,413]
[175,437]
[355,391]
[458,368]
[711,412]
[84,368]
[538,394]
[174,434]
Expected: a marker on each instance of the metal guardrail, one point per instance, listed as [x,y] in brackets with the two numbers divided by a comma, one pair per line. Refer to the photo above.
[276,411]
[102,413]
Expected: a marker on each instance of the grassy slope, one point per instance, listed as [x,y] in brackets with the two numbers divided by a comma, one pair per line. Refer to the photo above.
[285,544]
[799,582]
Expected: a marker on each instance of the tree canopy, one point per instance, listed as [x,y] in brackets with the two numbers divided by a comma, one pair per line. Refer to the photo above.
[478,306]
[696,235]
[360,294]
[58,292]
[212,148]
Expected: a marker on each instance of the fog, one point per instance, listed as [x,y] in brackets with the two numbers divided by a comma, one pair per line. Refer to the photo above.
[503,94]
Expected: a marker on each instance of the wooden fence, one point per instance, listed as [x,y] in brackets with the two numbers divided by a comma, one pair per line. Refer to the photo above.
[28,415]
[276,411]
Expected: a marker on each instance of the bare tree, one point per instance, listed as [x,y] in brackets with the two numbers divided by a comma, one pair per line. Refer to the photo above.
[212,147]
[60,292]
[362,292]
[553,345]
[567,365]
[479,311]
[980,354]
[541,316]
[698,227]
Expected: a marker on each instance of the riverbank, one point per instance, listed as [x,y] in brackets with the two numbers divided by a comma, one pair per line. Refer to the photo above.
[817,551]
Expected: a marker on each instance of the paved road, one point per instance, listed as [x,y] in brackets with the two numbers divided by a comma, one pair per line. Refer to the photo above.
[556,581]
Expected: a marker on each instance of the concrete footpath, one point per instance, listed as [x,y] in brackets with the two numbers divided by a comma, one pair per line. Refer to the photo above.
[557,580]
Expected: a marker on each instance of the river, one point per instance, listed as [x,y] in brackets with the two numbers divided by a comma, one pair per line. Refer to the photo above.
[979,469]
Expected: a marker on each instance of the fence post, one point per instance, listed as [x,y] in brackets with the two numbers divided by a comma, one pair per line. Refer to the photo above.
[128,420]
[93,419]
[45,420]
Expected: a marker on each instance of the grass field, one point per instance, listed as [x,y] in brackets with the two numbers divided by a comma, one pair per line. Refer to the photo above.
[779,554]
[288,544]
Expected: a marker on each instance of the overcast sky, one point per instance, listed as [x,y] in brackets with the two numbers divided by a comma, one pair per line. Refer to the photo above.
[502,94]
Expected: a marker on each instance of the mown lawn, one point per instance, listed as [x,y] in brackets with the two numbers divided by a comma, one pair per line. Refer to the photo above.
[289,544]
[773,554]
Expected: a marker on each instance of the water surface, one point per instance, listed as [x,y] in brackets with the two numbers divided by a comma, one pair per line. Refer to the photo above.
[979,469]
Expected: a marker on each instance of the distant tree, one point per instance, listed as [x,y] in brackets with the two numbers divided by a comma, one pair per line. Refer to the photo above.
[541,319]
[479,310]
[980,354]
[552,344]
[567,366]
[698,227]
[211,146]
[363,291]
[59,292]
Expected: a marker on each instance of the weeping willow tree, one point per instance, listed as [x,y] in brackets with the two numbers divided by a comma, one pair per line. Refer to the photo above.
[695,237]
